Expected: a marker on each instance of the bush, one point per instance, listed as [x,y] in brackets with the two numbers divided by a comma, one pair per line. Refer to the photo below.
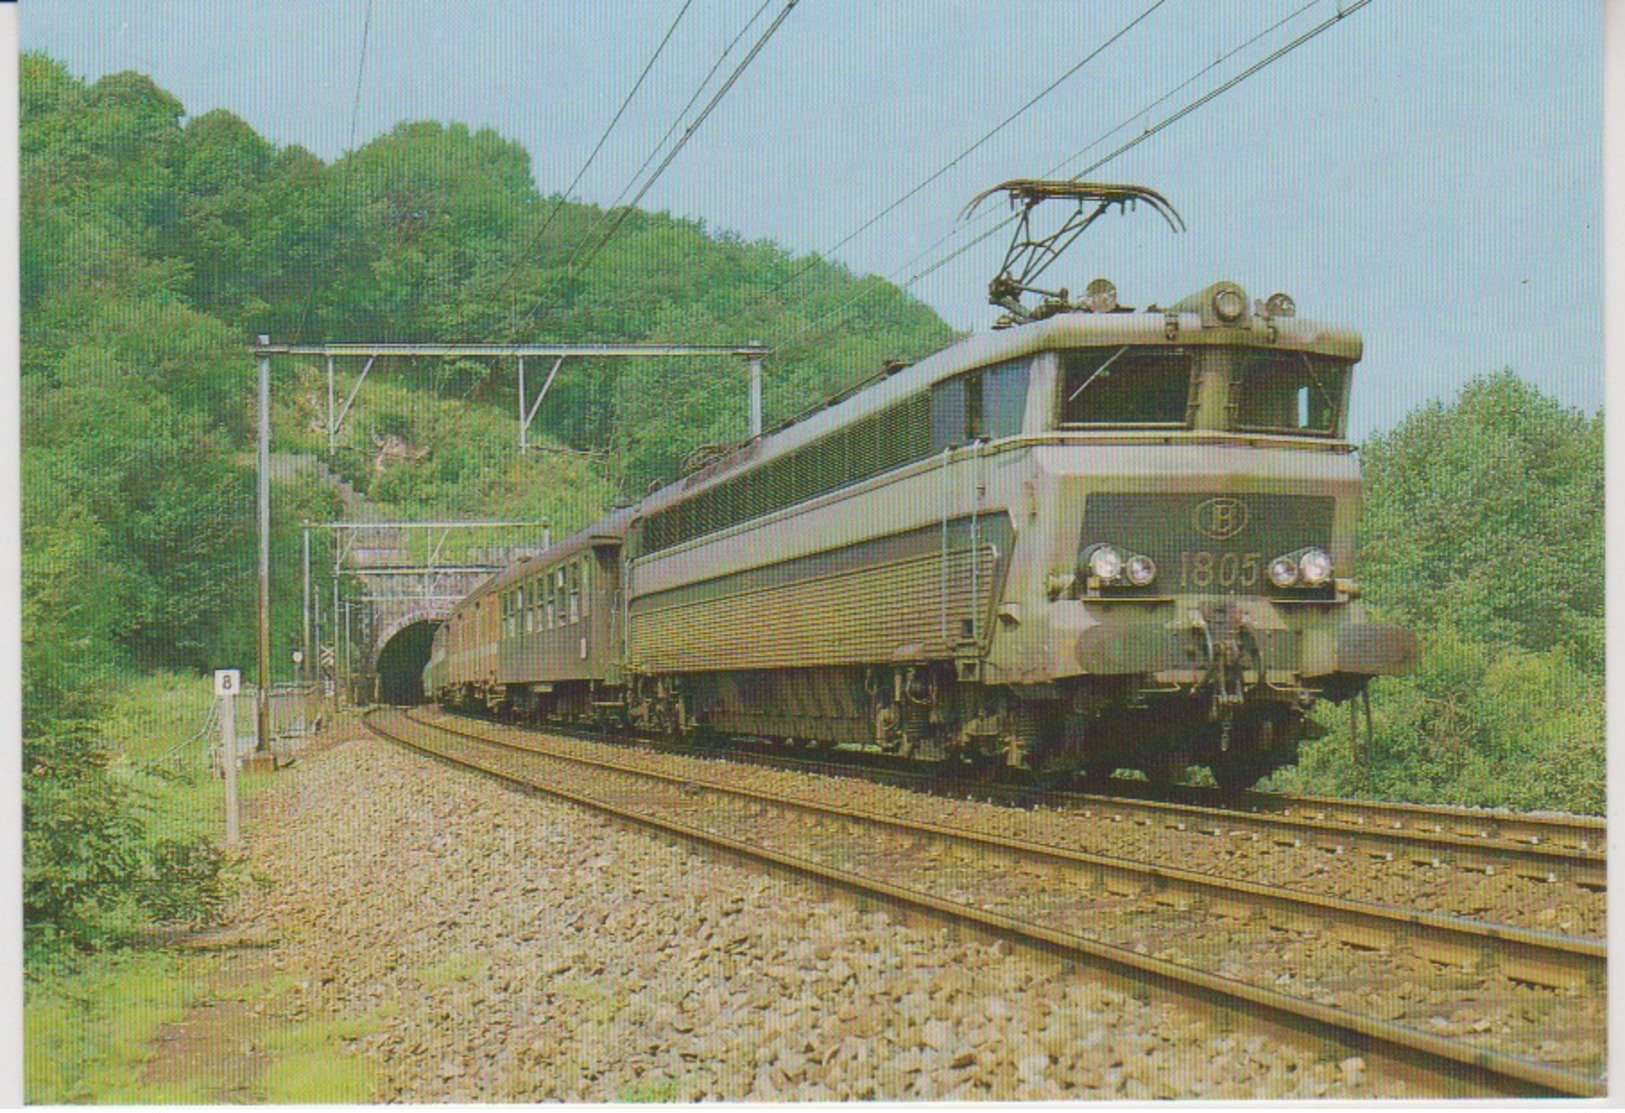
[1506,727]
[94,871]
[81,841]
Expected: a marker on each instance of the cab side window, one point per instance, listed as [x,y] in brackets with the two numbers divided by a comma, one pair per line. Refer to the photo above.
[981,405]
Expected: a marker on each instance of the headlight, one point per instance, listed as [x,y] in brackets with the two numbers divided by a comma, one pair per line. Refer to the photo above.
[1141,570]
[1283,571]
[1105,563]
[1316,567]
[1101,296]
[1229,304]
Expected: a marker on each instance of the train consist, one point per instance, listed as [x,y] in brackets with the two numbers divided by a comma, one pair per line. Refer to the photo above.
[1099,538]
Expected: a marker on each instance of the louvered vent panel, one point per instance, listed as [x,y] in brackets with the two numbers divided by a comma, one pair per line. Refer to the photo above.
[843,618]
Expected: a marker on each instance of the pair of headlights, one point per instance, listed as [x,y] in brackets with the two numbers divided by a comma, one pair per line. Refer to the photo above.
[1309,567]
[1108,566]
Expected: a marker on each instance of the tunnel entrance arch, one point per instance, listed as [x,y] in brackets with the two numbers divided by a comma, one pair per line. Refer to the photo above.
[401,662]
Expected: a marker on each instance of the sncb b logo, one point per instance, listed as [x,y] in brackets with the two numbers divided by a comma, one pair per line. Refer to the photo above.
[1220,518]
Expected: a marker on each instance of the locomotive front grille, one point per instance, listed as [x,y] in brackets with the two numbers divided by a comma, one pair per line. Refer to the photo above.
[1207,543]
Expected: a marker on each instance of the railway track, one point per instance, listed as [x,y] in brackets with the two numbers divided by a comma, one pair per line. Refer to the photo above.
[1561,851]
[1580,835]
[1521,997]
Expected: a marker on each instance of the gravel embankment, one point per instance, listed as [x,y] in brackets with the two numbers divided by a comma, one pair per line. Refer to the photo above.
[511,948]
[1482,1007]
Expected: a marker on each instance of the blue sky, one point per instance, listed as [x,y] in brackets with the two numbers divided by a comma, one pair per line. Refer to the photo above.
[1427,172]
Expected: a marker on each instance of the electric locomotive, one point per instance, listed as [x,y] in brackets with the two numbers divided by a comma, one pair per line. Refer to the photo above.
[1091,539]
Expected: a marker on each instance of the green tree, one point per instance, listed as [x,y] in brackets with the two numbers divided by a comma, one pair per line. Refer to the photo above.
[1487,513]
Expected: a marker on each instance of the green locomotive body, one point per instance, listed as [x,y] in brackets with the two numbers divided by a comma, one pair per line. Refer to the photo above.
[1101,540]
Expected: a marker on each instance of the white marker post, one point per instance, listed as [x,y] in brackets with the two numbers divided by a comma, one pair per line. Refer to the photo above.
[304,693]
[227,683]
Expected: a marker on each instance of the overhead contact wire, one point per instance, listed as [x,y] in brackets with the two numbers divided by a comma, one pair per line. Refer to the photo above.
[355,114]
[587,165]
[1146,134]
[361,70]
[598,223]
[968,151]
[688,134]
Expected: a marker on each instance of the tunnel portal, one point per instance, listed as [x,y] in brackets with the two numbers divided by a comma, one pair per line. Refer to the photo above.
[402,660]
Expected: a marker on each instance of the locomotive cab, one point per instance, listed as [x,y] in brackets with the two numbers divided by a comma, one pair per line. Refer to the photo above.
[1192,539]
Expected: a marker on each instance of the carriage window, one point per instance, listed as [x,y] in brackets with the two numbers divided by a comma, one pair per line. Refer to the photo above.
[1289,392]
[530,615]
[1125,386]
[575,592]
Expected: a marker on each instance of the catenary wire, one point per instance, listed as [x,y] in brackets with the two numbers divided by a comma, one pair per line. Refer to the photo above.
[1006,222]
[968,151]
[959,226]
[355,115]
[654,152]
[682,141]
[585,166]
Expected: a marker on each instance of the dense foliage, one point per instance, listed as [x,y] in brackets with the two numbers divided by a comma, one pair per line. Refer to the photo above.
[156,245]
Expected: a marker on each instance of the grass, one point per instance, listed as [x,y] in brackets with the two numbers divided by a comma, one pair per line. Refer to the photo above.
[92,1022]
[450,971]
[310,1066]
[89,1031]
[148,715]
[656,1090]
[151,721]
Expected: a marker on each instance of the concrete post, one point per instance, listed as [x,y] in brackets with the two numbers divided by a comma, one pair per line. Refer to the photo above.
[332,428]
[228,742]
[522,438]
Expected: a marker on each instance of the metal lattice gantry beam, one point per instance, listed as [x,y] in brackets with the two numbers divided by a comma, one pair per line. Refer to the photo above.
[752,353]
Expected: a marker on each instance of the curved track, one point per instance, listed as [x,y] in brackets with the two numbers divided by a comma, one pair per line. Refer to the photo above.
[1136,912]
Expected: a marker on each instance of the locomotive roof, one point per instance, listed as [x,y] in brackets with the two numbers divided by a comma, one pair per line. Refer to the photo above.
[1064,330]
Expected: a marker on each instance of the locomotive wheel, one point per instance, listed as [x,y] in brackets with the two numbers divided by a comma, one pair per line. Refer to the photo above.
[1256,750]
[671,720]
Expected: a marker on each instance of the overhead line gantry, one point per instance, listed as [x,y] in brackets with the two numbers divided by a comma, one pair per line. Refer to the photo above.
[264,350]
[752,353]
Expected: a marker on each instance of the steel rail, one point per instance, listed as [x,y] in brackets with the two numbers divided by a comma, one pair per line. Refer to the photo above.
[1584,867]
[1587,833]
[1541,863]
[1491,1063]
